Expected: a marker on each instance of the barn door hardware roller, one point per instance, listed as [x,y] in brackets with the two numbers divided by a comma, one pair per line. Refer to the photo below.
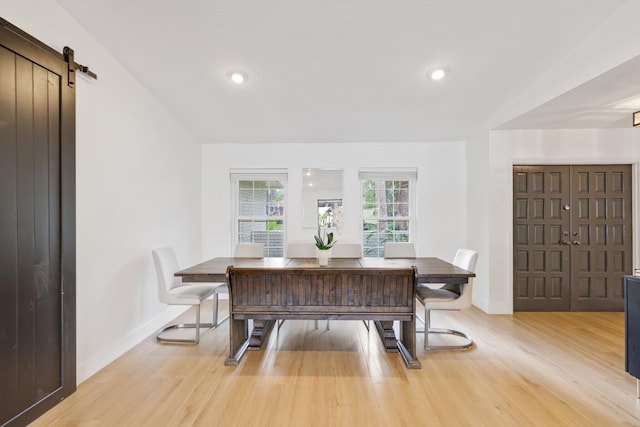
[73,66]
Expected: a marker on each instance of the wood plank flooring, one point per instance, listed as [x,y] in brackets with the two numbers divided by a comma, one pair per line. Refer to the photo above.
[529,369]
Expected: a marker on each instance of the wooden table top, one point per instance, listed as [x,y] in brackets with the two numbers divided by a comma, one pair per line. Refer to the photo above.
[430,270]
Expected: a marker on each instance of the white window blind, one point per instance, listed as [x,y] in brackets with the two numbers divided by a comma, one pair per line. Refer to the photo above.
[262,174]
[385,174]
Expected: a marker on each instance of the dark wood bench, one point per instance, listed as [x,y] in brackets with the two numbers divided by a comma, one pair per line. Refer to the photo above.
[265,294]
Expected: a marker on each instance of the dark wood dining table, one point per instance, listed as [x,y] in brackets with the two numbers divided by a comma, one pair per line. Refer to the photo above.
[263,308]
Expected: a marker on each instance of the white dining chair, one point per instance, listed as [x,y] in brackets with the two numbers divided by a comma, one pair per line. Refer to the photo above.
[399,250]
[172,291]
[346,250]
[249,250]
[301,250]
[448,297]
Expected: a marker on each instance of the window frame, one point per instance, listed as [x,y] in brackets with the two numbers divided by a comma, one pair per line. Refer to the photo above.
[263,175]
[389,174]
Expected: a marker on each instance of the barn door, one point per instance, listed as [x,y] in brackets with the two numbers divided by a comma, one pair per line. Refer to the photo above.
[37,237]
[572,237]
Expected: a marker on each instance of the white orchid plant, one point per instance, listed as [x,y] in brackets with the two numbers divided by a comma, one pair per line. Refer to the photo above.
[324,240]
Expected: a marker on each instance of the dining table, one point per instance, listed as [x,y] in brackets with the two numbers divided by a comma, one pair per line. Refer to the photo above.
[382,290]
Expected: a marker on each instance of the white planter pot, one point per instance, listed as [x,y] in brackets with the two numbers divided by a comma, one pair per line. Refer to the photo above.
[323,257]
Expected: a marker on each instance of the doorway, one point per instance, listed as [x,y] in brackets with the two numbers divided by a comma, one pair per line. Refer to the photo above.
[572,242]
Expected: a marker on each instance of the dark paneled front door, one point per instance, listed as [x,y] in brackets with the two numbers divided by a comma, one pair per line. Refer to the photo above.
[571,237]
[601,243]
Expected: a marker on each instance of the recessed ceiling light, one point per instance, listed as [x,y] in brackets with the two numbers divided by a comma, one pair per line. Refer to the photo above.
[238,77]
[437,74]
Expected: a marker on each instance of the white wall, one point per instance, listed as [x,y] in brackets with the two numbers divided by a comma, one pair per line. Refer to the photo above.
[478,215]
[492,154]
[600,146]
[138,187]
[139,182]
[441,188]
[608,46]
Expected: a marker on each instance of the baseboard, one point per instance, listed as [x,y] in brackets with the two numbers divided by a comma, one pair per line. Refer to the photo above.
[86,369]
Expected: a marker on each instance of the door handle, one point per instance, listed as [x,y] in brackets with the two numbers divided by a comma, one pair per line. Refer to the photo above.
[577,242]
[566,242]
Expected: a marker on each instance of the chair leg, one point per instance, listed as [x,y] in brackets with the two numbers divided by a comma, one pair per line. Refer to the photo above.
[427,323]
[450,332]
[366,324]
[195,326]
[429,330]
[198,324]
[217,322]
[215,309]
[316,324]
[214,324]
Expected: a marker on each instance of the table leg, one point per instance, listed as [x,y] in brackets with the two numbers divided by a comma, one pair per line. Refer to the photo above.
[407,344]
[387,335]
[238,340]
[261,329]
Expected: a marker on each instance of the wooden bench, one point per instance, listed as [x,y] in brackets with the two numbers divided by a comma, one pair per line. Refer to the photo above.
[265,294]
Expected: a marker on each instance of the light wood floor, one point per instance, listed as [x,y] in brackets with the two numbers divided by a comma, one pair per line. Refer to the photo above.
[542,369]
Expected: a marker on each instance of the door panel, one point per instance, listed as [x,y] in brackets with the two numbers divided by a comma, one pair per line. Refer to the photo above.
[37,227]
[8,235]
[31,265]
[602,249]
[571,237]
[541,271]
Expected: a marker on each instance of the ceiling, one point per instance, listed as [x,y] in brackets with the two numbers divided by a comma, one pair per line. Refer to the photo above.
[606,101]
[349,70]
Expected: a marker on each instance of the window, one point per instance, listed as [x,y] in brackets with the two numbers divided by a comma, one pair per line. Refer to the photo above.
[387,209]
[259,209]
